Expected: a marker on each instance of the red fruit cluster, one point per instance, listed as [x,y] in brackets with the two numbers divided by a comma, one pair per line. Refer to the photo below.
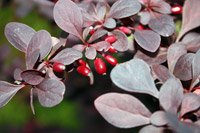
[125,30]
[82,68]
[58,67]
[100,66]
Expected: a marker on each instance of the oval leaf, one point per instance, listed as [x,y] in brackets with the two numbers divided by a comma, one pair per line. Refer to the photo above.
[19,35]
[7,91]
[147,39]
[122,110]
[110,23]
[32,77]
[90,53]
[134,76]
[163,25]
[159,118]
[67,56]
[171,95]
[152,129]
[196,66]
[68,17]
[50,92]
[124,8]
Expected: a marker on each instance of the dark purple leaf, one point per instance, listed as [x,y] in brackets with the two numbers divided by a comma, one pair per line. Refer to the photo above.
[68,17]
[147,39]
[196,65]
[191,36]
[90,53]
[31,60]
[42,41]
[183,67]
[157,58]
[50,92]
[159,118]
[161,72]
[32,77]
[98,34]
[122,110]
[191,11]
[171,95]
[163,25]
[124,8]
[17,74]
[7,91]
[67,56]
[110,23]
[100,46]
[122,41]
[191,102]
[134,76]
[151,129]
[175,51]
[194,45]
[19,35]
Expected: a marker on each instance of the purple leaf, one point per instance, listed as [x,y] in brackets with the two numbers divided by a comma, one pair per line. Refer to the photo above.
[163,25]
[161,72]
[134,76]
[171,95]
[124,8]
[32,77]
[175,51]
[183,67]
[17,74]
[102,45]
[50,92]
[98,34]
[7,91]
[110,23]
[67,56]
[122,42]
[68,17]
[196,66]
[101,9]
[19,35]
[191,11]
[79,47]
[161,6]
[31,60]
[151,129]
[90,53]
[191,102]
[147,39]
[159,118]
[157,58]
[122,110]
[144,17]
[86,32]
[42,41]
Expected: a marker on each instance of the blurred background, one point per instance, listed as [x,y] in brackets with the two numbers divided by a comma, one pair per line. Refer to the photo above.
[76,114]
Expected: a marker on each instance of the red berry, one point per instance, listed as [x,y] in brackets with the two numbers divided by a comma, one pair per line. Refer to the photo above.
[81,62]
[100,66]
[58,67]
[125,30]
[176,9]
[83,70]
[111,60]
[112,50]
[139,27]
[92,30]
[111,39]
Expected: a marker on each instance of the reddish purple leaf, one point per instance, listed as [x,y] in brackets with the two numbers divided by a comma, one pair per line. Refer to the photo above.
[98,34]
[196,66]
[122,41]
[79,47]
[147,39]
[122,110]
[67,56]
[171,95]
[183,67]
[145,17]
[90,53]
[17,74]
[191,102]
[32,77]
[50,92]
[7,91]
[100,46]
[19,35]
[161,6]
[31,60]
[191,11]
[124,8]
[163,25]
[159,118]
[134,76]
[68,17]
